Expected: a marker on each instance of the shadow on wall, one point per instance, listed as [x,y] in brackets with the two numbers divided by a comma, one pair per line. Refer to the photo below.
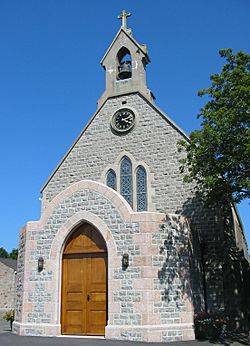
[236,278]
[220,271]
[180,273]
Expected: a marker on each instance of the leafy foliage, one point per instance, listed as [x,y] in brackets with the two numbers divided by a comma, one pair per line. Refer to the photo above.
[209,326]
[4,254]
[13,254]
[218,155]
[9,315]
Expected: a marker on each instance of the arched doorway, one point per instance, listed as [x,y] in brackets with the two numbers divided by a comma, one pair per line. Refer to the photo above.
[84,283]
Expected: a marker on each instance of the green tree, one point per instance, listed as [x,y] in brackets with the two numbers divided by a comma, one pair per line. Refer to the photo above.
[3,253]
[13,254]
[218,155]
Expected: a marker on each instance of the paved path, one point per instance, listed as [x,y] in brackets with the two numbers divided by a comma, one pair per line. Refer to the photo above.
[9,339]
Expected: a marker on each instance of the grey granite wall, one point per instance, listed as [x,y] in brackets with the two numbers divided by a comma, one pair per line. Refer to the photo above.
[7,287]
[154,141]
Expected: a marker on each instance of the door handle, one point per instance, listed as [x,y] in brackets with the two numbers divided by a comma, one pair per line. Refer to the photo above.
[88,297]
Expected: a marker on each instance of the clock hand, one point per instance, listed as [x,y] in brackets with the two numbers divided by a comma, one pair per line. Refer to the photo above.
[127,119]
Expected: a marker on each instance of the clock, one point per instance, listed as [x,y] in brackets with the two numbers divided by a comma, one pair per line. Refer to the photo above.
[123,120]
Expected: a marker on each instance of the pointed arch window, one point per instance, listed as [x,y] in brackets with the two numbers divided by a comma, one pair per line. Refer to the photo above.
[126,180]
[111,179]
[141,188]
[124,64]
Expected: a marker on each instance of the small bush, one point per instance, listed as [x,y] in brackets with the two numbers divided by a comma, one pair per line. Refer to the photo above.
[9,315]
[209,326]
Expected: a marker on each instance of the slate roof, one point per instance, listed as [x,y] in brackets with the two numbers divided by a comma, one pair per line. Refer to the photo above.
[9,262]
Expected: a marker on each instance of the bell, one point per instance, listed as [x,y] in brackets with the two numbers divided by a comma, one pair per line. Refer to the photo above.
[125,70]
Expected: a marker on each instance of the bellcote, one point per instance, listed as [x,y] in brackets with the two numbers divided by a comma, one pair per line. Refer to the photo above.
[125,65]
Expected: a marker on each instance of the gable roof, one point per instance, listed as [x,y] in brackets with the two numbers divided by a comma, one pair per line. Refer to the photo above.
[128,33]
[9,262]
[157,109]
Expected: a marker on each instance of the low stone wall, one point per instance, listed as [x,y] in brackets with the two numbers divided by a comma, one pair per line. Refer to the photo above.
[7,287]
[4,325]
[20,274]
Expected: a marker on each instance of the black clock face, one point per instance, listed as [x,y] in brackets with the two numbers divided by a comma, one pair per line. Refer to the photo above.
[123,120]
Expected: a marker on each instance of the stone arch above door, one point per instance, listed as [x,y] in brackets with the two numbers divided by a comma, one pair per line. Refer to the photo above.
[73,223]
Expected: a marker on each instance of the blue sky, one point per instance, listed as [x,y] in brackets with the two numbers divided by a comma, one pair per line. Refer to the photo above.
[51,79]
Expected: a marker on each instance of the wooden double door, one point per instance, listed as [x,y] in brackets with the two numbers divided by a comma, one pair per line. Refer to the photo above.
[84,283]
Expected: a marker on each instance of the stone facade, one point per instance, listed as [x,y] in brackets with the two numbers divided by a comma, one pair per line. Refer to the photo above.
[7,283]
[171,246]
[159,247]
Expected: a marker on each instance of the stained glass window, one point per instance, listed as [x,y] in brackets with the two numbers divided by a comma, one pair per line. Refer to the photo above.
[111,179]
[141,188]
[126,180]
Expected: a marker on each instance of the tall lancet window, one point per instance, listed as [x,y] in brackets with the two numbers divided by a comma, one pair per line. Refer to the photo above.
[111,179]
[141,188]
[126,180]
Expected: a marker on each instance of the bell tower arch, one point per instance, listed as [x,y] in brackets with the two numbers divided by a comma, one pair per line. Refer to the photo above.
[125,65]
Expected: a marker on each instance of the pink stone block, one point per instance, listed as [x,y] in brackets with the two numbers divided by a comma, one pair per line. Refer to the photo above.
[112,333]
[189,306]
[27,307]
[149,250]
[125,212]
[142,238]
[101,188]
[187,317]
[115,262]
[143,307]
[109,193]
[154,319]
[152,336]
[114,307]
[188,334]
[115,284]
[148,227]
[117,201]
[142,217]
[151,296]
[158,217]
[141,261]
[143,284]
[149,272]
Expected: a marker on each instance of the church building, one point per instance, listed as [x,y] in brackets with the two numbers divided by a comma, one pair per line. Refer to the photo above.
[124,249]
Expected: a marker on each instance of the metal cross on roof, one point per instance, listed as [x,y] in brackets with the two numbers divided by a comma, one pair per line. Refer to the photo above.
[124,16]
